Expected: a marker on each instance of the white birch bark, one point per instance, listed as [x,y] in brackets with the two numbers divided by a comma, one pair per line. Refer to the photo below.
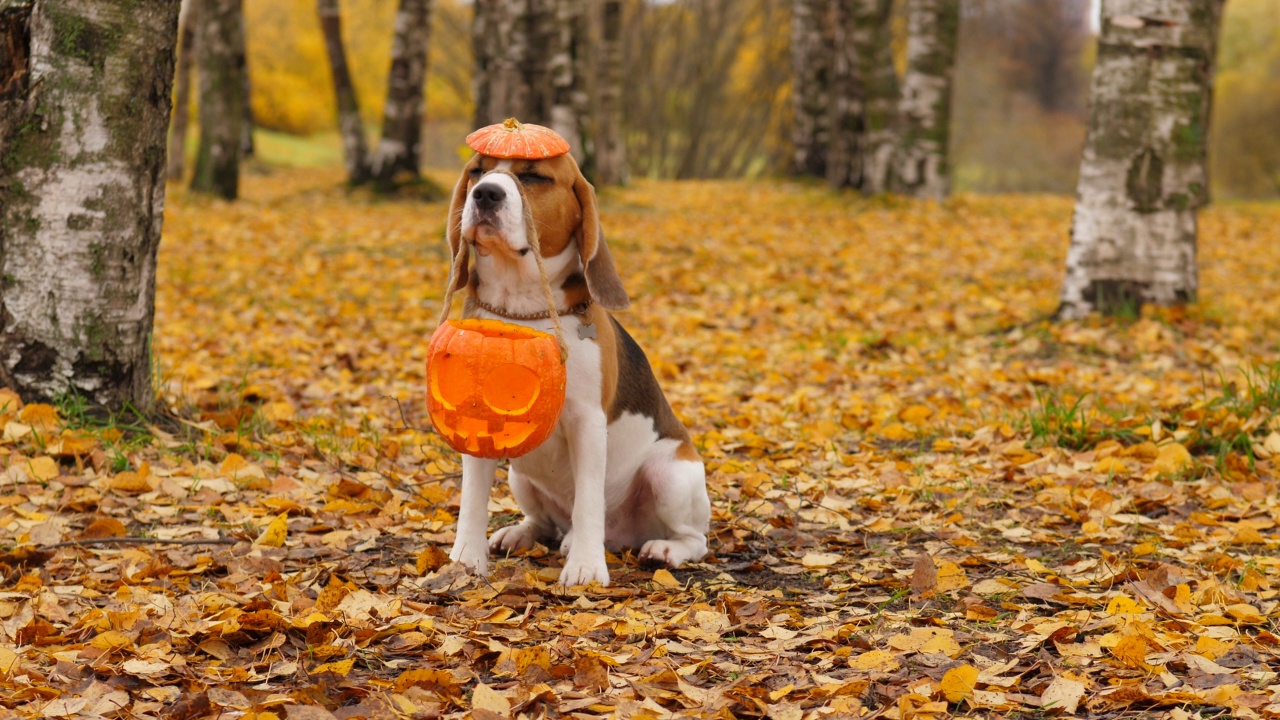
[925,108]
[811,66]
[177,164]
[219,33]
[355,149]
[846,98]
[611,149]
[501,85]
[1143,175]
[568,96]
[400,146]
[82,149]
[873,42]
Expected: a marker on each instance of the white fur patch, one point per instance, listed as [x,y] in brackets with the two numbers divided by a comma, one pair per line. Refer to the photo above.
[507,219]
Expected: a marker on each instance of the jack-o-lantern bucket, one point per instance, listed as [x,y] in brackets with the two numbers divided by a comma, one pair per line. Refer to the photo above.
[493,389]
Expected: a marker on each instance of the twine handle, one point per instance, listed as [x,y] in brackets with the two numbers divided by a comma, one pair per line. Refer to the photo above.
[464,247]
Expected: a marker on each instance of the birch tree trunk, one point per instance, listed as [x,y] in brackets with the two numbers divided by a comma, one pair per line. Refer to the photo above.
[501,86]
[187,20]
[220,32]
[925,110]
[246,93]
[872,39]
[84,109]
[531,64]
[846,95]
[400,146]
[350,126]
[611,147]
[565,100]
[1143,175]
[567,96]
[812,53]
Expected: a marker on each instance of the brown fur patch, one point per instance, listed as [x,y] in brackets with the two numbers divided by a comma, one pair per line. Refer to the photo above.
[607,339]
[687,451]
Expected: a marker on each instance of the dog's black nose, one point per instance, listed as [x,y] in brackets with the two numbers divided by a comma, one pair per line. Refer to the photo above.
[488,195]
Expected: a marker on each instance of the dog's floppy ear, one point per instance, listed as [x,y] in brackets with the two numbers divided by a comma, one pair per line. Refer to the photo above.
[454,229]
[602,276]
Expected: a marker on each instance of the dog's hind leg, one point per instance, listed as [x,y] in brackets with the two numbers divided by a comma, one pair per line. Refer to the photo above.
[681,505]
[536,525]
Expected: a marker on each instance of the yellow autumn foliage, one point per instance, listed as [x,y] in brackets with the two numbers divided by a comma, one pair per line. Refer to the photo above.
[292,90]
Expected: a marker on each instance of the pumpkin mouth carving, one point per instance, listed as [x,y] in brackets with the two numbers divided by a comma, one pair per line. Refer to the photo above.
[478,435]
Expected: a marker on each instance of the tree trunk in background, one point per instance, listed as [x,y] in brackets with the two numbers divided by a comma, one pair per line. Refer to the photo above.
[812,65]
[500,35]
[872,39]
[177,164]
[246,91]
[82,170]
[531,64]
[846,112]
[400,146]
[220,32]
[354,148]
[611,147]
[567,96]
[925,110]
[1143,176]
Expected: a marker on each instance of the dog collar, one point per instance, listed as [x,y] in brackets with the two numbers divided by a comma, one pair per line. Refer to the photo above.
[579,309]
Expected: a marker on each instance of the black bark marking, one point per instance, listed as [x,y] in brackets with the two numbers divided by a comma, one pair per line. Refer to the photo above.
[1144,182]
[35,358]
[75,37]
[15,51]
[1116,297]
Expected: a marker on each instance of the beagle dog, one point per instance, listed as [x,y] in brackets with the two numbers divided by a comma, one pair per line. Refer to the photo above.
[619,469]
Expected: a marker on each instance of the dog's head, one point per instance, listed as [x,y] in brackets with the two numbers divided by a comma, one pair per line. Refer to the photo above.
[498,205]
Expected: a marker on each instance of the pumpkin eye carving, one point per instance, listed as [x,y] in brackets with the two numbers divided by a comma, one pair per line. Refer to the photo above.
[493,389]
[511,389]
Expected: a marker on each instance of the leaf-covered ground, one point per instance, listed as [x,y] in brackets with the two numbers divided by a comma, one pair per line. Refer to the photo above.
[929,500]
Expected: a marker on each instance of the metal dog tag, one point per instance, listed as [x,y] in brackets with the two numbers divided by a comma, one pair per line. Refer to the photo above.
[586,331]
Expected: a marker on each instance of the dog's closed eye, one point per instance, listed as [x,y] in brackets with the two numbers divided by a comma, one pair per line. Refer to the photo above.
[532,178]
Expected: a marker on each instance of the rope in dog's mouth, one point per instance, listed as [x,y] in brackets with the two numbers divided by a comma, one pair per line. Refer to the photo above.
[551,312]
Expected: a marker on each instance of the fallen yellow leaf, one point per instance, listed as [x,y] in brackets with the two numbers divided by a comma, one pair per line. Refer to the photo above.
[486,698]
[1172,459]
[875,660]
[663,577]
[275,533]
[820,560]
[958,683]
[338,667]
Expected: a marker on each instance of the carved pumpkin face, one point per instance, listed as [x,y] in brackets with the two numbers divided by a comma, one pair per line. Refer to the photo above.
[493,389]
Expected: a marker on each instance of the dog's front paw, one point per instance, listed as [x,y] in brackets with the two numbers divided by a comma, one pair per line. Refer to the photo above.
[475,555]
[582,571]
[521,536]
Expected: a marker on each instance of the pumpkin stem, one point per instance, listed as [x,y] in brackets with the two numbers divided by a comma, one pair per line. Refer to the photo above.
[511,124]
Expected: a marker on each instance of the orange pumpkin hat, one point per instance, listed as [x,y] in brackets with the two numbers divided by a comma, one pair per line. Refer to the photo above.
[514,140]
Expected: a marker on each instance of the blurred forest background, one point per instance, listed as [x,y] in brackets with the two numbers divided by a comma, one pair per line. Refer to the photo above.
[1018,119]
